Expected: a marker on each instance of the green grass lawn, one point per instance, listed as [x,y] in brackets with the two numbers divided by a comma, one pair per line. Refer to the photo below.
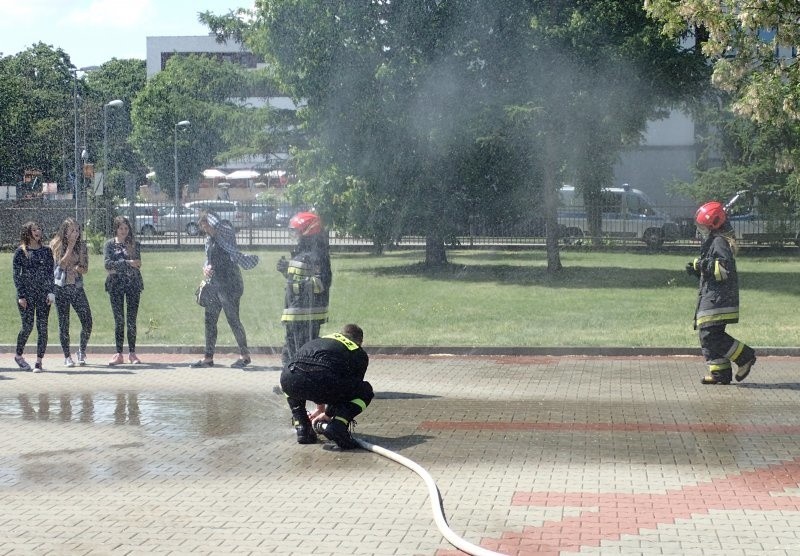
[484,298]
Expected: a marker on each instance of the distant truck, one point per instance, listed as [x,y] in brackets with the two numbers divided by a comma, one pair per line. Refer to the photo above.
[763,218]
[626,213]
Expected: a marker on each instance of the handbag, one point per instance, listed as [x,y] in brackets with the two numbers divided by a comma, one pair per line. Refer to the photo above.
[59,276]
[206,294]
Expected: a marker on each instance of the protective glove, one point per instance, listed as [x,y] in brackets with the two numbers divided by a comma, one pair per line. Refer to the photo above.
[282,266]
[691,268]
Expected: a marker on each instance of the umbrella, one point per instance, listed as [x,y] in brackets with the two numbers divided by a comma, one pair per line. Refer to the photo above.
[243,175]
[213,173]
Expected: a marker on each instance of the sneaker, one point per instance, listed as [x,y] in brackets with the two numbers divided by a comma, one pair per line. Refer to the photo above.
[241,363]
[116,360]
[81,358]
[338,431]
[37,367]
[19,360]
[744,369]
[68,362]
[133,359]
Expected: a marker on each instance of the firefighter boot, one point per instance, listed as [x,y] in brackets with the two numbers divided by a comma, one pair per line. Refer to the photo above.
[744,369]
[338,430]
[302,426]
[718,377]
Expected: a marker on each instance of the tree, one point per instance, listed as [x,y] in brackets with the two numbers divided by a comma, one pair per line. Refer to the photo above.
[37,114]
[195,89]
[750,46]
[114,80]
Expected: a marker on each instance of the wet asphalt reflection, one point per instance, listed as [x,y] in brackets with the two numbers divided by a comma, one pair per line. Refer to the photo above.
[174,415]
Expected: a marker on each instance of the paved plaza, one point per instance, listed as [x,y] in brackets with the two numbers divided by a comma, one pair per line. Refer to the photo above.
[532,455]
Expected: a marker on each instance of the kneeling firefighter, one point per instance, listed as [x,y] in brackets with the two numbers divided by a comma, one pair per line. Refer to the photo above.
[330,372]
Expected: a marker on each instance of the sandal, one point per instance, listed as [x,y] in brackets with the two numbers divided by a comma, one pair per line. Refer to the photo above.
[202,364]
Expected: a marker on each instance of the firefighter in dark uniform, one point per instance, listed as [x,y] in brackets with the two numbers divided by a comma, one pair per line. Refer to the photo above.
[308,282]
[330,372]
[718,297]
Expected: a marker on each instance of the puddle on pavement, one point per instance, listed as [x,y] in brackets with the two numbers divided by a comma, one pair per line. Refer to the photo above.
[174,415]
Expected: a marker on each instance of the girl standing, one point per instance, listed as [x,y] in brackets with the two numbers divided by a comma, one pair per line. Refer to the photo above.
[72,262]
[718,297]
[124,284]
[33,278]
[223,260]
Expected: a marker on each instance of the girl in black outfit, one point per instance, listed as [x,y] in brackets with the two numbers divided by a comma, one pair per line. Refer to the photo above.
[124,284]
[72,258]
[223,260]
[33,278]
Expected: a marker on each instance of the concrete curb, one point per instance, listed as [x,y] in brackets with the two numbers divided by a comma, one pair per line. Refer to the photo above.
[563,351]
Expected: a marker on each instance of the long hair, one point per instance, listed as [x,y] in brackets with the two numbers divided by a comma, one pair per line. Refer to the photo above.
[26,236]
[726,231]
[130,240]
[59,243]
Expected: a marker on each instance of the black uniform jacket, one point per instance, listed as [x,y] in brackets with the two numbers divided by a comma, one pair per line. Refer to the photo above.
[718,301]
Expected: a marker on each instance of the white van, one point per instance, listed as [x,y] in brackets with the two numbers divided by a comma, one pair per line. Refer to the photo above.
[627,213]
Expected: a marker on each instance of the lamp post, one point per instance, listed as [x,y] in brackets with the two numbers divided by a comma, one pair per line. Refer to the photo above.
[182,123]
[113,104]
[76,184]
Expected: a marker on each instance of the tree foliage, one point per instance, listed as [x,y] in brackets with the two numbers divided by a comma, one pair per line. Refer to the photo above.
[751,45]
[191,88]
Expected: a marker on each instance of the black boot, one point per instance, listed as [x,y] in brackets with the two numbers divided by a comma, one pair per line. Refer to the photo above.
[338,430]
[718,377]
[302,426]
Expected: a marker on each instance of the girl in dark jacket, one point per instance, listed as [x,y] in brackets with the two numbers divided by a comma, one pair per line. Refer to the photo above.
[33,278]
[221,268]
[718,297]
[122,259]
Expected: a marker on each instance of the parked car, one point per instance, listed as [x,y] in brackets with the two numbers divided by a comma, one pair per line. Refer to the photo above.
[259,215]
[145,218]
[228,211]
[284,214]
[764,218]
[626,213]
[169,221]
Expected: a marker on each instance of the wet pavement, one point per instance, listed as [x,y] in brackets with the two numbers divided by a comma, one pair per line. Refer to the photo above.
[532,455]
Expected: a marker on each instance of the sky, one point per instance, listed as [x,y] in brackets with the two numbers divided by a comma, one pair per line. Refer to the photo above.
[93,32]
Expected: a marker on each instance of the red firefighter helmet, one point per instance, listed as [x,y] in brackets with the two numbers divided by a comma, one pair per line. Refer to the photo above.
[711,215]
[306,223]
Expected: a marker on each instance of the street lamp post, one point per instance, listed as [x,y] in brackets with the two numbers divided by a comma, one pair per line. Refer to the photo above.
[76,184]
[182,123]
[114,104]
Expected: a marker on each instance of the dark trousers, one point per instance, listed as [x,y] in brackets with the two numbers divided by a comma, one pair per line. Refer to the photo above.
[297,334]
[720,348]
[72,296]
[122,318]
[230,305]
[325,387]
[37,310]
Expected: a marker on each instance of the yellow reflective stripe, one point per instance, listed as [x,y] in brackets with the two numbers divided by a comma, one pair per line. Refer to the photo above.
[717,273]
[737,348]
[360,403]
[696,263]
[342,419]
[719,367]
[718,317]
[349,344]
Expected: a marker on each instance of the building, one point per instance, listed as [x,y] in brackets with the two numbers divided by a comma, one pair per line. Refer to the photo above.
[161,49]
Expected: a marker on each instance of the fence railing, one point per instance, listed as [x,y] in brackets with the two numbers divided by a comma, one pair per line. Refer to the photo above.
[255,228]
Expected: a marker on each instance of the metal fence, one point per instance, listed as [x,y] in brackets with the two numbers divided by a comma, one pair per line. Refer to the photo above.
[253,230]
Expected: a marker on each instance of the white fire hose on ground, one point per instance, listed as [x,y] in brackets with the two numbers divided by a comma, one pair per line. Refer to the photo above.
[436,500]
